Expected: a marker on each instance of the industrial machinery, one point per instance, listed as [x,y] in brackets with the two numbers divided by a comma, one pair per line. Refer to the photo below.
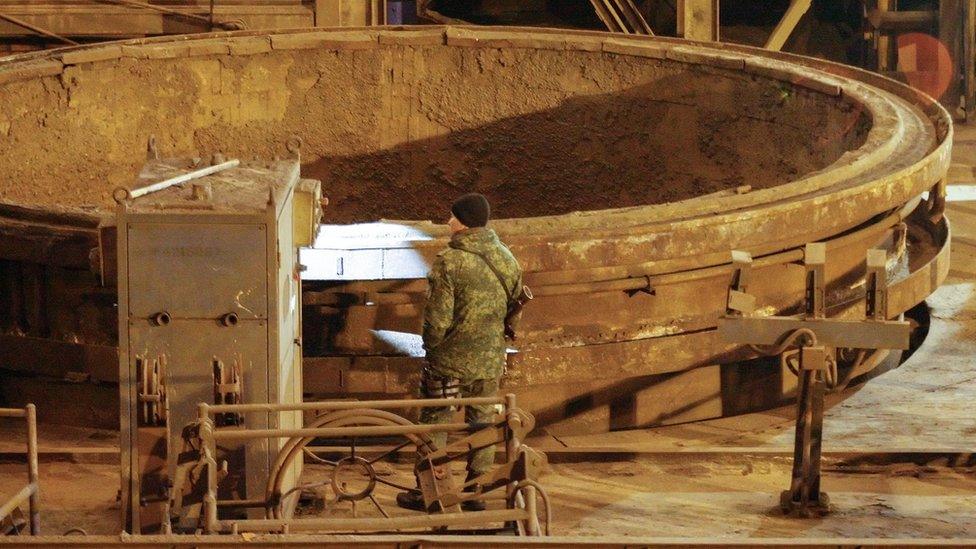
[752,150]
[806,345]
[208,312]
[213,436]
[364,436]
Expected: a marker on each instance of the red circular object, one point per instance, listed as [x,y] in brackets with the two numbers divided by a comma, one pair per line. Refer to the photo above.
[925,62]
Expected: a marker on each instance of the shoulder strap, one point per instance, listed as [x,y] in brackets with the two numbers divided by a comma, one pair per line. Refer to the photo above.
[501,280]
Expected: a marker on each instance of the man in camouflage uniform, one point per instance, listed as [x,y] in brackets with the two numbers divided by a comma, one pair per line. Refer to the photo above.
[464,326]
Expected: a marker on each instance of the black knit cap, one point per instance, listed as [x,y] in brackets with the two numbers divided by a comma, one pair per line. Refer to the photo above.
[472,209]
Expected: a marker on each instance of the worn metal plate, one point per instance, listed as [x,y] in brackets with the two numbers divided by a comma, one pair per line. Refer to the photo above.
[190,378]
[224,268]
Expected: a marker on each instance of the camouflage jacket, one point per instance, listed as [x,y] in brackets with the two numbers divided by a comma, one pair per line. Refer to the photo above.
[466,306]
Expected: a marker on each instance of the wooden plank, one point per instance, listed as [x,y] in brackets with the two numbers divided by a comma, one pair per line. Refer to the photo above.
[698,19]
[854,334]
[786,26]
[608,16]
[455,541]
[635,21]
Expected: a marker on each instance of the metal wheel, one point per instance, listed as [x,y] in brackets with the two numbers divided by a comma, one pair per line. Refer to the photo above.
[354,471]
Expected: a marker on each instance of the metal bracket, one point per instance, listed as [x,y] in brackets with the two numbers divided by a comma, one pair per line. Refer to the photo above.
[441,495]
[815,260]
[151,376]
[876,283]
[228,388]
[937,202]
[812,335]
[648,289]
[739,301]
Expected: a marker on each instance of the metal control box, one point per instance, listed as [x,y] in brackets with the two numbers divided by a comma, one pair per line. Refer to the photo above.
[209,311]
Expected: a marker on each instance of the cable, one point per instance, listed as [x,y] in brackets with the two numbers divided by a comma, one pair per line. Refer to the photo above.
[542,493]
[787,342]
[317,459]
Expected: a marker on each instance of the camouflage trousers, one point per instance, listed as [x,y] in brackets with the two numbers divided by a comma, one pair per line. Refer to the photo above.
[481,459]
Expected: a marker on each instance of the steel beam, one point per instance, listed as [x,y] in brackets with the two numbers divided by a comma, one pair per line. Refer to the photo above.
[853,334]
[698,20]
[786,25]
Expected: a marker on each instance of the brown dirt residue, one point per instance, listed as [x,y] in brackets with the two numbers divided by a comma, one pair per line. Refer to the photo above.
[398,132]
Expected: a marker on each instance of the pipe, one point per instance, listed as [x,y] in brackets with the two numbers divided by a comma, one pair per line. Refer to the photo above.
[13,503]
[340,431]
[360,524]
[529,483]
[189,176]
[352,405]
[32,470]
[904,21]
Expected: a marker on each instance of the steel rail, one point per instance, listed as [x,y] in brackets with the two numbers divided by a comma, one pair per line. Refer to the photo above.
[655,273]
[30,492]
[17,500]
[34,28]
[176,13]
[456,541]
[342,432]
[384,524]
[348,405]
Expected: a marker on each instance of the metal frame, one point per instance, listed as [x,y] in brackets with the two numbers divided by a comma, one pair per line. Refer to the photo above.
[31,492]
[514,424]
[811,336]
[786,25]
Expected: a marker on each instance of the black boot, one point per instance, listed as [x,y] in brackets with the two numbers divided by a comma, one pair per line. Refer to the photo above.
[411,499]
[473,504]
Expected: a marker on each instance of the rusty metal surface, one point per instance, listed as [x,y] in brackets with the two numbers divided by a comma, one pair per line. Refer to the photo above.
[591,334]
[29,495]
[263,541]
[368,426]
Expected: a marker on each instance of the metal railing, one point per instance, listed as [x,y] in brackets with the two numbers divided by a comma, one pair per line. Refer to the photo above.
[29,493]
[210,436]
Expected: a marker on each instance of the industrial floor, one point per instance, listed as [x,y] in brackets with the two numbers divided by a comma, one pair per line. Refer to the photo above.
[898,450]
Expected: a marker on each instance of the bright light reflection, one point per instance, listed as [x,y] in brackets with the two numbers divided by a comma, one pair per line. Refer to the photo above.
[365,251]
[957,193]
[402,342]
[960,193]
